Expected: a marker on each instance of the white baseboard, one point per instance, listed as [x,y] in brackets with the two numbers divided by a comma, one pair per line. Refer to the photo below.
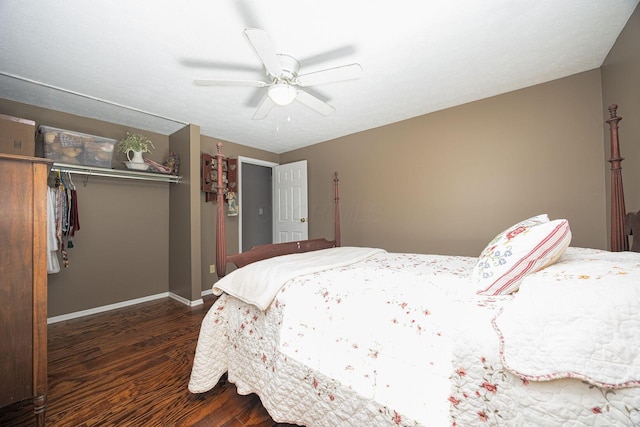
[185,301]
[122,304]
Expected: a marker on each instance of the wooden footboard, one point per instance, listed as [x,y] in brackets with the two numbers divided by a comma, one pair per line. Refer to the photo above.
[261,252]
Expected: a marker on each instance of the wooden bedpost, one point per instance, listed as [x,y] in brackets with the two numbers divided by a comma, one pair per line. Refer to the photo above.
[221,239]
[619,241]
[336,215]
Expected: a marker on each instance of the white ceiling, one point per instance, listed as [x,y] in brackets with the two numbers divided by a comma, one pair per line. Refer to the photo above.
[134,62]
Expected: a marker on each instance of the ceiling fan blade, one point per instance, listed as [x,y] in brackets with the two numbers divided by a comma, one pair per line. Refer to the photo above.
[247,13]
[250,83]
[264,109]
[217,65]
[330,75]
[328,55]
[315,103]
[265,50]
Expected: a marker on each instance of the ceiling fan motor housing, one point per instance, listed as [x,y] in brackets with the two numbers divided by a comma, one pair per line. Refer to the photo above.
[290,67]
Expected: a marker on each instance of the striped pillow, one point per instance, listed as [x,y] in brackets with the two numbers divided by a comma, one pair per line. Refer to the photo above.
[517,252]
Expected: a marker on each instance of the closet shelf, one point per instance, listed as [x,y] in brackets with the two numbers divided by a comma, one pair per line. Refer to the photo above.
[115,173]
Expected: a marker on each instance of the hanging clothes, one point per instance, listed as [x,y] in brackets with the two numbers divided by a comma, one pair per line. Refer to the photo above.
[53,265]
[61,217]
[66,214]
[73,217]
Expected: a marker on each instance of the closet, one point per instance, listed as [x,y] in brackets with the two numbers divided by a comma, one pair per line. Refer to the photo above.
[23,281]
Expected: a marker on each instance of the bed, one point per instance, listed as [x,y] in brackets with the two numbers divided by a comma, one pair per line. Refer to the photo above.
[328,335]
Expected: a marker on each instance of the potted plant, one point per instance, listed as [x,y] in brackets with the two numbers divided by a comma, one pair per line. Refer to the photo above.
[136,144]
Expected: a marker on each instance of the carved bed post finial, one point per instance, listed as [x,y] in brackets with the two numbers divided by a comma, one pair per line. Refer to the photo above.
[221,239]
[619,241]
[336,216]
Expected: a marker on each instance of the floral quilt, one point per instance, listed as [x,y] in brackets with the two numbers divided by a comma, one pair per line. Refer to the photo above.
[392,340]
[577,320]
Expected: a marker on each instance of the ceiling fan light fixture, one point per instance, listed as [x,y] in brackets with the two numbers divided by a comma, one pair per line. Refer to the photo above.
[282,93]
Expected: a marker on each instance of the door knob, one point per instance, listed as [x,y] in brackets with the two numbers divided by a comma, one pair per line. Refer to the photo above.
[303,219]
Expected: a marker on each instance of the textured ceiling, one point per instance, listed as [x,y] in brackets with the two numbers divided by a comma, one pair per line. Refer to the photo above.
[134,63]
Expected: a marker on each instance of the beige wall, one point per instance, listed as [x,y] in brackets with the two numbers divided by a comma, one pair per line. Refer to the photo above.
[184,231]
[448,182]
[621,85]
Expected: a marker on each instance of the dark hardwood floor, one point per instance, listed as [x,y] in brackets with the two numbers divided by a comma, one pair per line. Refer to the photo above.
[131,367]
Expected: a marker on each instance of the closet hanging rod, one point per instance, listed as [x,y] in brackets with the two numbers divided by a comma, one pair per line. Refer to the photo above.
[113,173]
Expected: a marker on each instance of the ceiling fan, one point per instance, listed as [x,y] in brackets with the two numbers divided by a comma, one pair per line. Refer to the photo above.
[284,83]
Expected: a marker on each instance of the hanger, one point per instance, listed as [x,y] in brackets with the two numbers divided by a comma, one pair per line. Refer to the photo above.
[59,180]
[72,186]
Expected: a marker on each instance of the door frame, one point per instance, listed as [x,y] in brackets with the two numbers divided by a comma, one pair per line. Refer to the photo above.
[241,160]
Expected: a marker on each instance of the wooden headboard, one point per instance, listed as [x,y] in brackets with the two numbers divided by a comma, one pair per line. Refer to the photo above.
[260,252]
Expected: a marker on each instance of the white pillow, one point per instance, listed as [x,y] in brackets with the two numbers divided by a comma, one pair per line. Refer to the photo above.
[522,249]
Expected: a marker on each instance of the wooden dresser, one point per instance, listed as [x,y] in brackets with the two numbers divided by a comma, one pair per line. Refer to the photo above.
[23,281]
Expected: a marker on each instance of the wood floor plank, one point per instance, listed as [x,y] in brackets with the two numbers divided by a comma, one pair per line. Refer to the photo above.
[131,367]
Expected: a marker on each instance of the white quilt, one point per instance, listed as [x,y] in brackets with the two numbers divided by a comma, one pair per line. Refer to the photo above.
[577,319]
[392,340]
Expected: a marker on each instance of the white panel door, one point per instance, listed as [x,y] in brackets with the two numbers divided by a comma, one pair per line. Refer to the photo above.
[290,210]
